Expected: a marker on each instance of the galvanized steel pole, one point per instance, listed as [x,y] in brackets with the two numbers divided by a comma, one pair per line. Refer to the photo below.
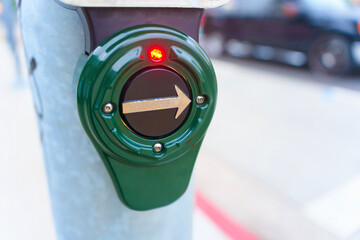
[84,202]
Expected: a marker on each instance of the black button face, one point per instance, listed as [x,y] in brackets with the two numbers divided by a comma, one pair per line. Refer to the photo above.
[155,102]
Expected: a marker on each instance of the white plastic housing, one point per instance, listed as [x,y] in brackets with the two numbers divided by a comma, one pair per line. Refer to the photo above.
[146,3]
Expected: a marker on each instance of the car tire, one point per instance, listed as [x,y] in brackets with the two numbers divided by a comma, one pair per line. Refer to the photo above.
[213,44]
[330,55]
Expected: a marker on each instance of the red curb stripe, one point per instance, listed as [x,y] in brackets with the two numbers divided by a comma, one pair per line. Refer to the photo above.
[225,223]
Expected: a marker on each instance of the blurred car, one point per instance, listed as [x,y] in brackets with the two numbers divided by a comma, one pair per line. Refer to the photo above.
[323,33]
[356,2]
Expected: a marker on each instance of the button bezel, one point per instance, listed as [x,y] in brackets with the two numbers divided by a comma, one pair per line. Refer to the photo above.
[107,71]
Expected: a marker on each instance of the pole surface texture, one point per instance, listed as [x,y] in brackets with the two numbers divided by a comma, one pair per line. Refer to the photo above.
[84,202]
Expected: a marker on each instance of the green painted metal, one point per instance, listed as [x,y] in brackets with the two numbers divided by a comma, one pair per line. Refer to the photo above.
[143,179]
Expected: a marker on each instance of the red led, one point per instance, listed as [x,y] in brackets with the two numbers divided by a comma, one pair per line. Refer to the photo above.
[156,54]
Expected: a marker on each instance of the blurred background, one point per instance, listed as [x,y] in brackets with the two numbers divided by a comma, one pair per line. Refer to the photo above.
[281,158]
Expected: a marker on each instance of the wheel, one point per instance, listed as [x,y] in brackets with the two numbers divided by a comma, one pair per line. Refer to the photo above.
[213,44]
[236,48]
[330,55]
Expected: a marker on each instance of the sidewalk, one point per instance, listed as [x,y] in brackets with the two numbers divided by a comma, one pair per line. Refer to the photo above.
[282,153]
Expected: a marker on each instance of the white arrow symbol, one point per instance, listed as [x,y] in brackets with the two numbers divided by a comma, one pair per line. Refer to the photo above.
[180,102]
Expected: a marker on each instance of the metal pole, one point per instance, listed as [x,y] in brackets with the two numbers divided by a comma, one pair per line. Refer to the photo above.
[84,202]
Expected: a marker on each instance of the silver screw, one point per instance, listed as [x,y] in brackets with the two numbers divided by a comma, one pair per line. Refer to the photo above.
[200,99]
[157,147]
[108,108]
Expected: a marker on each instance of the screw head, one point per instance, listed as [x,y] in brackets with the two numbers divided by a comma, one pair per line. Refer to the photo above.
[157,147]
[108,108]
[200,100]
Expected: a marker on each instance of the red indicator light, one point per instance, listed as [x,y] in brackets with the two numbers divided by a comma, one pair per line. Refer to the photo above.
[156,54]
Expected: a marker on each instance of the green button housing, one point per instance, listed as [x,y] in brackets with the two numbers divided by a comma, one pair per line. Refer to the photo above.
[145,179]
